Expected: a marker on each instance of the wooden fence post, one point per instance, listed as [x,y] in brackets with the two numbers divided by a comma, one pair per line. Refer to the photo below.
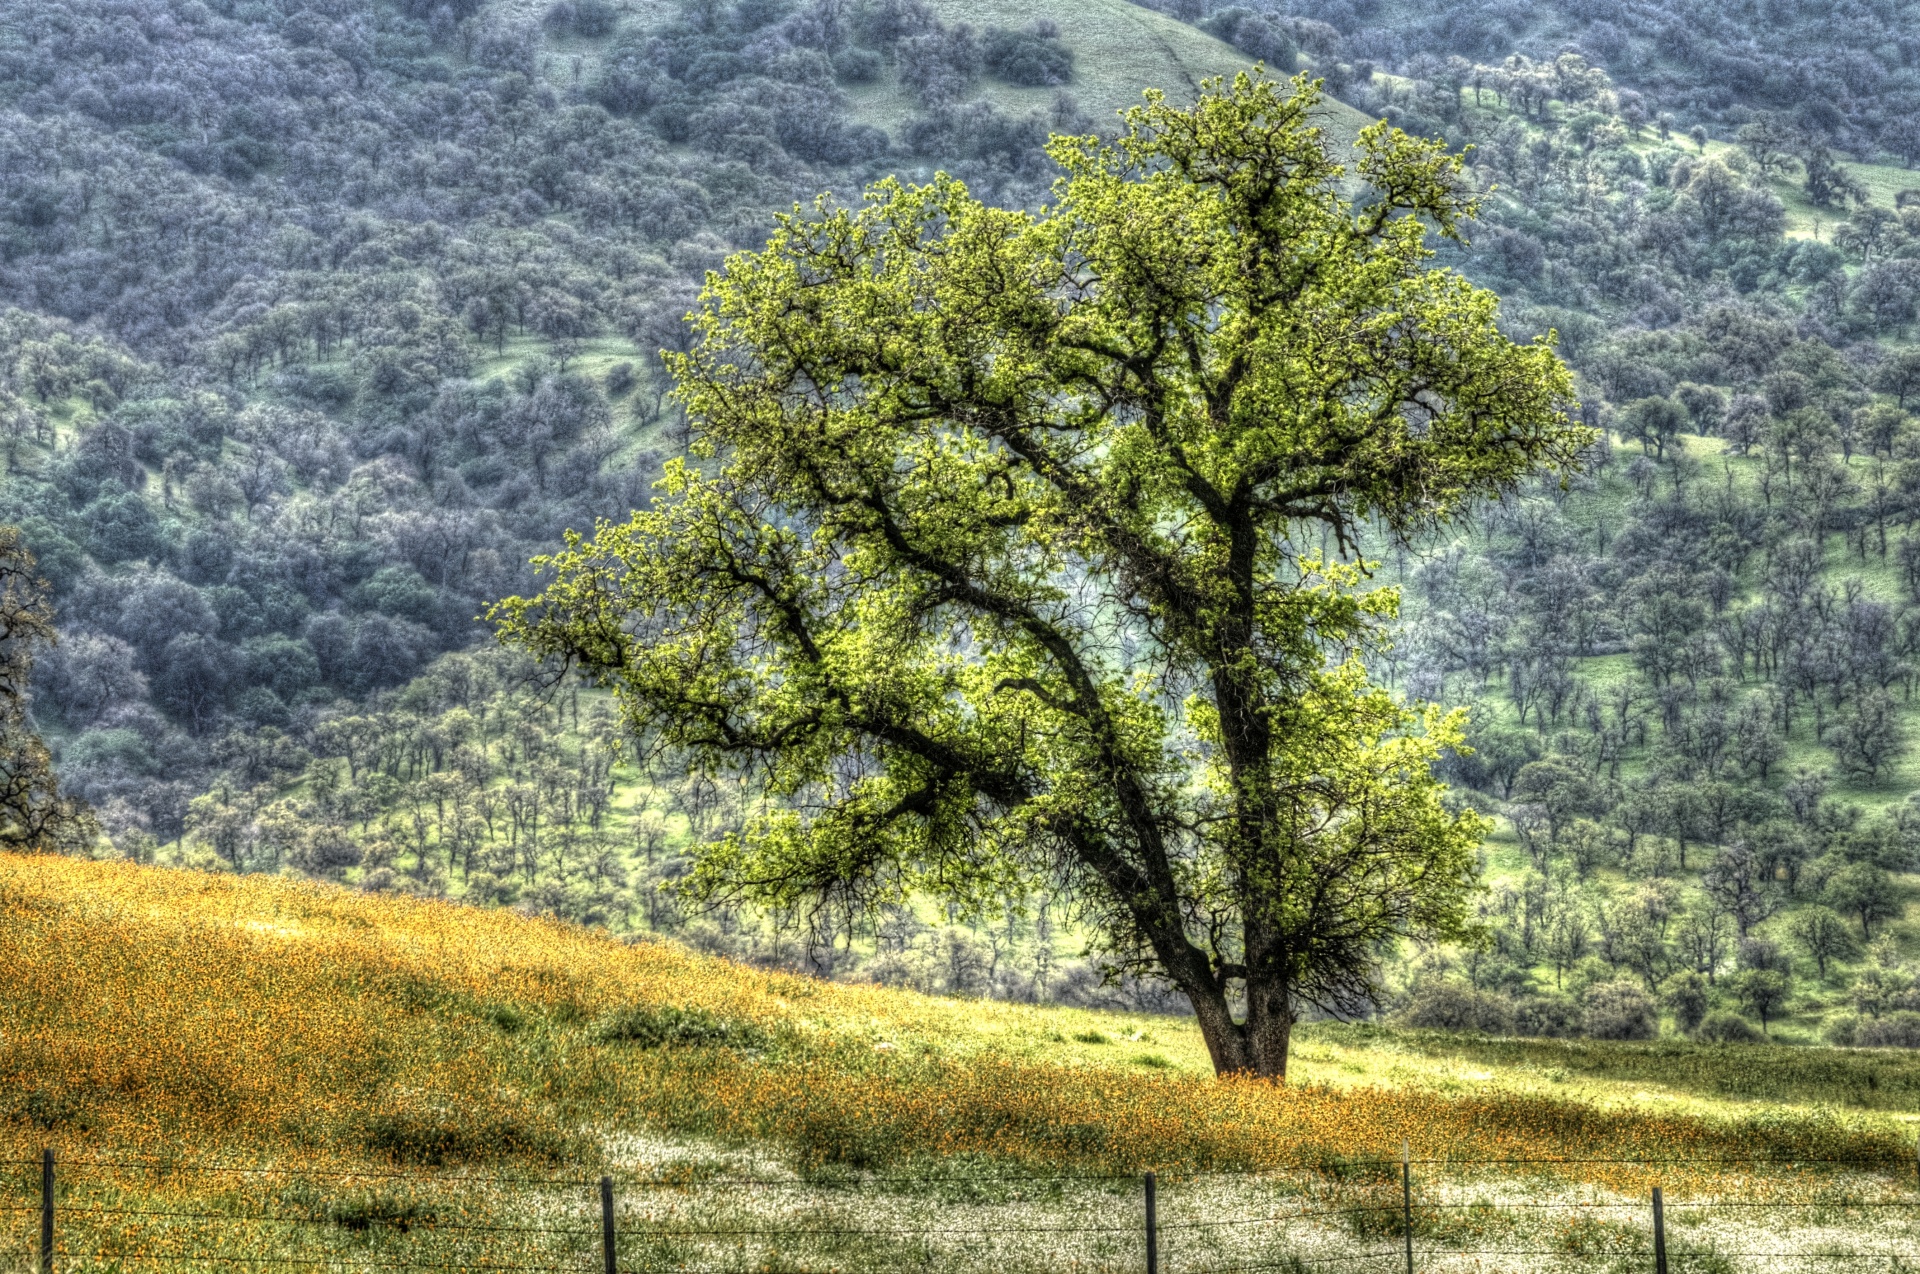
[1659,1234]
[1406,1199]
[46,1212]
[1153,1229]
[606,1224]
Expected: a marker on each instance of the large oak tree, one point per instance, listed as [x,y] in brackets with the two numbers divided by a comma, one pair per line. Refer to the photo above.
[999,566]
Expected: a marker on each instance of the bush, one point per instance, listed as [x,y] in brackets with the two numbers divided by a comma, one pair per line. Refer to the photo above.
[1618,1011]
[887,22]
[1895,1030]
[1723,1027]
[1448,1006]
[668,1026]
[1687,996]
[122,527]
[858,66]
[1032,58]
[1548,1016]
[1256,35]
[590,19]
[941,66]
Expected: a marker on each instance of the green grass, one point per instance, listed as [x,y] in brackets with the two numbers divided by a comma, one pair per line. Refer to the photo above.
[1882,183]
[1120,50]
[368,1065]
[1685,1073]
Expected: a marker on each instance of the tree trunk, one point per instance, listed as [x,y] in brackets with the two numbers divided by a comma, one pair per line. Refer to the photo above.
[1226,1039]
[1257,1046]
[1269,1028]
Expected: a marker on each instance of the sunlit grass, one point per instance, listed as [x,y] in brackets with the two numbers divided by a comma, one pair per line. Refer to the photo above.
[157,1010]
[376,1063]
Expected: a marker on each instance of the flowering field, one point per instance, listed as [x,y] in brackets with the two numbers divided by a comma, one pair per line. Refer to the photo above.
[149,1010]
[154,1023]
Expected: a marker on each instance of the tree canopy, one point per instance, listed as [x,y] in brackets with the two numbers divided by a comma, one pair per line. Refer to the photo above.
[1011,555]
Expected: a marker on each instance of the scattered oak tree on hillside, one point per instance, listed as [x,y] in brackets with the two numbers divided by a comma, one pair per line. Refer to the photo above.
[33,813]
[1001,574]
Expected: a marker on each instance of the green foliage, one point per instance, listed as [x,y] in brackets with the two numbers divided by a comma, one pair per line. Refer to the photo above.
[439,1136]
[1032,57]
[926,417]
[1722,1027]
[668,1026]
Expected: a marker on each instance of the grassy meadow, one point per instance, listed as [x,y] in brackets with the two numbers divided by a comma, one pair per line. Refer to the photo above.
[253,1066]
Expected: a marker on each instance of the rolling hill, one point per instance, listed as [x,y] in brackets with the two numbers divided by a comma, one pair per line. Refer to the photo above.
[367,1080]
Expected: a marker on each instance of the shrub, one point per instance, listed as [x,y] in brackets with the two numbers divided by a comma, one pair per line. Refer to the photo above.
[1448,1006]
[1255,34]
[858,66]
[1687,997]
[1549,1016]
[591,19]
[1722,1027]
[668,1026]
[1895,1030]
[942,65]
[887,22]
[1032,58]
[1618,1011]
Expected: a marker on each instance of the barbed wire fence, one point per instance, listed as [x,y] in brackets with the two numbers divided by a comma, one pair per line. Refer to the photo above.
[99,1214]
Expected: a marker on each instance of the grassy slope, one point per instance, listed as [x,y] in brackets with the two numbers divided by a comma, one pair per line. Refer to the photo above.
[352,1062]
[104,955]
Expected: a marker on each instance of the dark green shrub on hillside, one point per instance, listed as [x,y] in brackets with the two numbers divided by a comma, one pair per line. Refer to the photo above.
[858,66]
[399,591]
[942,65]
[1895,1030]
[589,19]
[1032,58]
[669,1026]
[1618,1011]
[1728,1028]
[887,22]
[1687,996]
[1448,1006]
[1257,35]
[1547,1016]
[121,527]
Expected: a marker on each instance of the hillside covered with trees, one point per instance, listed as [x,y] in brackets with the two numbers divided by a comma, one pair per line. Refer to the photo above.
[323,319]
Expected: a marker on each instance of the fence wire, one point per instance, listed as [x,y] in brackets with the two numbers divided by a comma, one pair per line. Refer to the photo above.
[529,1223]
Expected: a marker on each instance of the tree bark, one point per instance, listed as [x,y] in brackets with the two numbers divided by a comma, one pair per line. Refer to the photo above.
[1257,1046]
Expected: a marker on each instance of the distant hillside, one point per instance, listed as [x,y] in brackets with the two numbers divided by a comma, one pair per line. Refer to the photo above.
[387,292]
[1120,49]
[1846,71]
